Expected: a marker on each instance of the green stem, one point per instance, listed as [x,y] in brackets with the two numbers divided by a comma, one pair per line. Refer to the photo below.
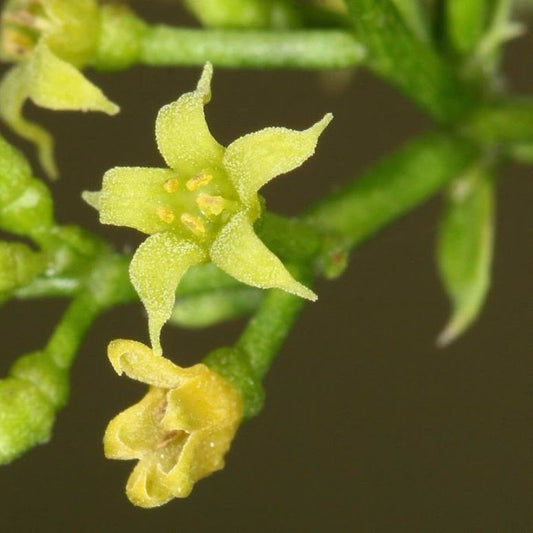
[215,306]
[392,187]
[291,240]
[246,363]
[76,321]
[504,122]
[268,329]
[399,56]
[198,279]
[318,49]
[415,17]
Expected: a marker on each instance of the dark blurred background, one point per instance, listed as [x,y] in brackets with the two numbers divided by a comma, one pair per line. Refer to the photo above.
[367,426]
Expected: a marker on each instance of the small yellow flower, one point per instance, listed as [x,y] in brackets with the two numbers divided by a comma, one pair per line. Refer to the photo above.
[179,432]
[203,207]
[50,40]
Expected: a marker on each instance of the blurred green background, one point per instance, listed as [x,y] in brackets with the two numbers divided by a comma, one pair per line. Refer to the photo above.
[367,426]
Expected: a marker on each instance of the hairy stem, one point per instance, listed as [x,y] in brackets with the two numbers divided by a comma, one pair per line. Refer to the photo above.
[392,187]
[268,329]
[74,324]
[317,49]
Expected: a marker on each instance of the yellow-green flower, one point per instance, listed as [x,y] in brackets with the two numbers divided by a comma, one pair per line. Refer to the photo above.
[50,40]
[203,207]
[180,431]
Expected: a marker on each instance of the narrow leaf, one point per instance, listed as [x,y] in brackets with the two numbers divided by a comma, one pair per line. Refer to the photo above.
[465,23]
[396,54]
[465,247]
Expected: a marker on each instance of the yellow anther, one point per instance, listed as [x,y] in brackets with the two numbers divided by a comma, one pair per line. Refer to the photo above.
[198,181]
[20,17]
[25,19]
[171,185]
[165,214]
[193,223]
[16,44]
[210,205]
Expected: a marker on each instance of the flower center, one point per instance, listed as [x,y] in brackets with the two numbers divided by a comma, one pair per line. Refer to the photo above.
[22,23]
[198,205]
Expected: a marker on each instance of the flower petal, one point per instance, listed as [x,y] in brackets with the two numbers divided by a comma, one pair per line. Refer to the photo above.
[205,401]
[14,89]
[238,251]
[139,362]
[155,271]
[182,134]
[132,433]
[256,158]
[144,487]
[191,467]
[128,198]
[56,84]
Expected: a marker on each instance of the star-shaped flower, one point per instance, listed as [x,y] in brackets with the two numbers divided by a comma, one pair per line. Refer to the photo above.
[203,207]
[50,40]
[180,431]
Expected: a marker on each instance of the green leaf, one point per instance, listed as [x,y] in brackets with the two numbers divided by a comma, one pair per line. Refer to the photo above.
[414,16]
[399,56]
[465,247]
[466,20]
[392,187]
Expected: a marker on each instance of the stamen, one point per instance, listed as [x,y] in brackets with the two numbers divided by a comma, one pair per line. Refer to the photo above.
[193,223]
[171,185]
[173,435]
[26,19]
[198,181]
[165,214]
[20,17]
[16,44]
[210,205]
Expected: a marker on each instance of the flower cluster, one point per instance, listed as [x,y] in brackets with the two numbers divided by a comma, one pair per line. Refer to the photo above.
[204,206]
[179,432]
[50,40]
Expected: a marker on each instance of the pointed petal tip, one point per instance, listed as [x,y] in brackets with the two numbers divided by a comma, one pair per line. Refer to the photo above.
[303,292]
[120,349]
[110,108]
[92,198]
[323,122]
[47,160]
[318,127]
[204,83]
[449,334]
